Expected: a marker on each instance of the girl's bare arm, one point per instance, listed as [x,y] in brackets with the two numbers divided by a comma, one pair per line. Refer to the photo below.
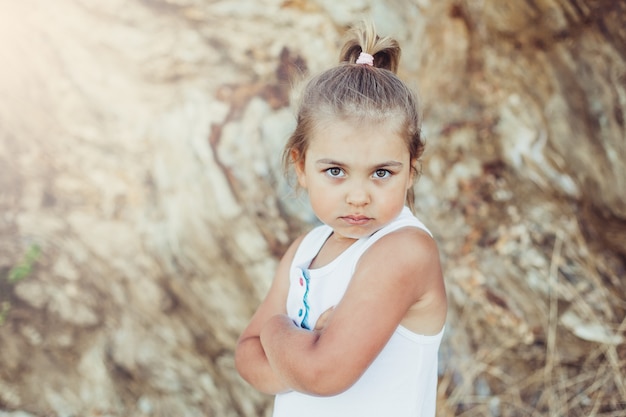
[250,357]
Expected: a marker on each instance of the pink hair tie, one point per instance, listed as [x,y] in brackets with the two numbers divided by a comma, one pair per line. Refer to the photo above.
[365,59]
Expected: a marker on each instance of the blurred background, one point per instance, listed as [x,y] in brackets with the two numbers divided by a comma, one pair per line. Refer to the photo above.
[143,208]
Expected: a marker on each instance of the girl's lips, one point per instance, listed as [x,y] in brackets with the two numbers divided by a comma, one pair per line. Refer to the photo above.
[356,220]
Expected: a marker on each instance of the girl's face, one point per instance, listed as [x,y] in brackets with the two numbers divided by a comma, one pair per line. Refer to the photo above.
[357,176]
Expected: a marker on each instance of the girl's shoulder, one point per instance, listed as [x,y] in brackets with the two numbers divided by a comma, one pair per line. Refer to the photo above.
[405,226]
[407,244]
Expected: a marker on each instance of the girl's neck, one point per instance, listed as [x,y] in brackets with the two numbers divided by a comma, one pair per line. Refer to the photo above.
[331,249]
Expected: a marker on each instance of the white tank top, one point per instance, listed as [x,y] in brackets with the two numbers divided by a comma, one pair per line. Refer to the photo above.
[402,380]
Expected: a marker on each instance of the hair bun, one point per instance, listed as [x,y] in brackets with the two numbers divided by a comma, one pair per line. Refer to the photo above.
[363,38]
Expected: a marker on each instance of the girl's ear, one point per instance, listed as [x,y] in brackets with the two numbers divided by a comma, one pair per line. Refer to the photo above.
[298,163]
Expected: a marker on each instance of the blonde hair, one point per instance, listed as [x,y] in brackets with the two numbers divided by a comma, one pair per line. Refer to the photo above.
[359,92]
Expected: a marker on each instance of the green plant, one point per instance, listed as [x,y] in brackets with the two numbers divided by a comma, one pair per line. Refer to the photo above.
[4,311]
[16,274]
[24,268]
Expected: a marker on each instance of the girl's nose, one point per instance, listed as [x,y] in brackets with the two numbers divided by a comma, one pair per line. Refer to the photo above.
[358,197]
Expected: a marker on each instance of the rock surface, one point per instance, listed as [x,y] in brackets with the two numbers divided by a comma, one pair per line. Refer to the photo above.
[143,208]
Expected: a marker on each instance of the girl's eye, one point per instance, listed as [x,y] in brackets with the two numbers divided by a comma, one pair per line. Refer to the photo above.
[335,172]
[381,173]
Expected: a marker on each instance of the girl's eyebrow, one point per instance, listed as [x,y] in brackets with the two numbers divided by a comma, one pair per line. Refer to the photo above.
[326,161]
[391,164]
[394,164]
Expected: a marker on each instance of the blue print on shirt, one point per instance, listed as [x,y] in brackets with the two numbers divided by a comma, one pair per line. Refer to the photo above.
[305,300]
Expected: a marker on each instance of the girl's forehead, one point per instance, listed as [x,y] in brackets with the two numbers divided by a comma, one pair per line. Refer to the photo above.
[350,140]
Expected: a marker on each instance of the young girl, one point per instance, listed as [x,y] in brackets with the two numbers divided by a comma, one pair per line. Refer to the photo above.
[353,320]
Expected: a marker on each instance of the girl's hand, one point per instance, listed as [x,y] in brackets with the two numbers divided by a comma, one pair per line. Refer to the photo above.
[323,320]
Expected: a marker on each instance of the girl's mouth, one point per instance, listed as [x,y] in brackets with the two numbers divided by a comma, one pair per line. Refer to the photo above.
[356,220]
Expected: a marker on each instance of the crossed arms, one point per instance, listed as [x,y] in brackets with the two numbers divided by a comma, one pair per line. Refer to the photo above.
[398,277]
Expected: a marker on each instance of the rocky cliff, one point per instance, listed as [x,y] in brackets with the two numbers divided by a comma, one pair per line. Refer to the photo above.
[143,208]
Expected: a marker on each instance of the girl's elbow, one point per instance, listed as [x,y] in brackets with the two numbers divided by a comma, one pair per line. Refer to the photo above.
[245,362]
[241,364]
[259,378]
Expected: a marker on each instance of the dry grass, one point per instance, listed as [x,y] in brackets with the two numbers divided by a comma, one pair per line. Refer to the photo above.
[559,352]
